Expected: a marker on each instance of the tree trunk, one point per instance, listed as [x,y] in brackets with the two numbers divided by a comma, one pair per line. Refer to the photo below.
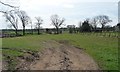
[31,31]
[102,27]
[38,31]
[23,30]
[16,32]
[95,28]
[23,24]
[57,30]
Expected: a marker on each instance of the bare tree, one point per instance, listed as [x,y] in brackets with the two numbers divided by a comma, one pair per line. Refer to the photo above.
[11,16]
[39,22]
[13,19]
[103,20]
[57,22]
[25,19]
[94,23]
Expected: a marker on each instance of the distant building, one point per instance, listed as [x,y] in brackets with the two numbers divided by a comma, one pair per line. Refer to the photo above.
[71,28]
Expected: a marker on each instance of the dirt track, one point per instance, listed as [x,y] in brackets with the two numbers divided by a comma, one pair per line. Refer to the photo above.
[61,56]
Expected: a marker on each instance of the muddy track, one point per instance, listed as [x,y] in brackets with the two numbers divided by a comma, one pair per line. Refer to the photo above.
[58,56]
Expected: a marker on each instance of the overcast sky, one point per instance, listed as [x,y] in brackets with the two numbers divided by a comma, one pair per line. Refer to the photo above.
[73,11]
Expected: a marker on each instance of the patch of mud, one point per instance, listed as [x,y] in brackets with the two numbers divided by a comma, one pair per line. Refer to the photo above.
[22,61]
[64,42]
[58,56]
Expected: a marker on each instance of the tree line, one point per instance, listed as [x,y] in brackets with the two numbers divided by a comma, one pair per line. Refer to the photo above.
[16,15]
[91,24]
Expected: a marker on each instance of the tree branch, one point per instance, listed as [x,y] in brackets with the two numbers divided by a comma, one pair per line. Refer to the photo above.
[8,5]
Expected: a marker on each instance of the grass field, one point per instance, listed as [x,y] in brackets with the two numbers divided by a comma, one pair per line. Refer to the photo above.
[104,50]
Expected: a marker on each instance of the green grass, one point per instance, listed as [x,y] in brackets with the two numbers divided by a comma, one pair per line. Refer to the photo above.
[0,49]
[24,42]
[104,50]
[12,53]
